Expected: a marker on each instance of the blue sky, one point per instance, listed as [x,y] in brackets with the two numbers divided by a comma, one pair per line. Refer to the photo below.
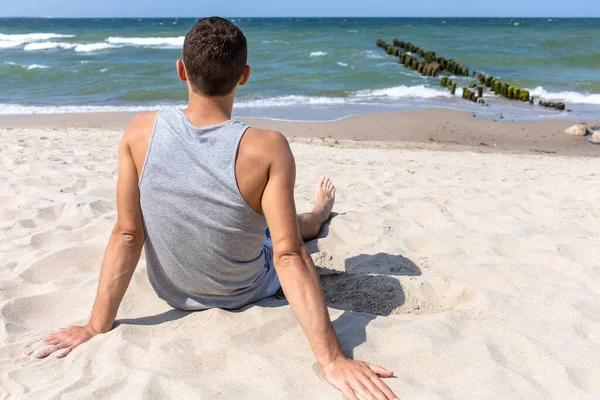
[304,8]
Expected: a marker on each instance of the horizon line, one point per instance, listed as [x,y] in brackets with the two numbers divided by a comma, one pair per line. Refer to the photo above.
[305,17]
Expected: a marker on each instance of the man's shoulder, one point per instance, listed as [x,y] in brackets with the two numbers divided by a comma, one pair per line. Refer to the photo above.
[140,125]
[266,139]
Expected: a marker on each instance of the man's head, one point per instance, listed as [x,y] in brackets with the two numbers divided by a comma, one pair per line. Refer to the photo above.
[214,54]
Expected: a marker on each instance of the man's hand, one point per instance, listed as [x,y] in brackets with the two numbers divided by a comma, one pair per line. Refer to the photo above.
[358,378]
[65,340]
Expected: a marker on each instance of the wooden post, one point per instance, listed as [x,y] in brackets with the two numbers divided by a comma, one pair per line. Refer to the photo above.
[517,94]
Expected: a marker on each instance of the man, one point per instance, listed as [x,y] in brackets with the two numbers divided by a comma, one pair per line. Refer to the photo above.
[198,189]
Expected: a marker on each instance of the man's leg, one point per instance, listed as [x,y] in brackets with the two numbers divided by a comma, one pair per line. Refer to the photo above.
[311,223]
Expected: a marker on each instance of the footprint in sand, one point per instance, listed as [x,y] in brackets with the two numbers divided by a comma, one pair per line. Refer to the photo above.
[65,265]
[27,223]
[51,213]
[103,207]
[79,185]
[32,313]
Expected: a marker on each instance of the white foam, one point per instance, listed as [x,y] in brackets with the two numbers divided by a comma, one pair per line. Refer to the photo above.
[276,41]
[318,54]
[31,37]
[19,109]
[420,91]
[32,66]
[286,101]
[7,44]
[87,48]
[48,46]
[342,64]
[148,41]
[568,97]
[14,40]
[372,54]
[37,66]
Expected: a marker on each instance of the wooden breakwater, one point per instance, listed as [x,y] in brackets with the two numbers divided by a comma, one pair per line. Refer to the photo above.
[512,92]
[428,64]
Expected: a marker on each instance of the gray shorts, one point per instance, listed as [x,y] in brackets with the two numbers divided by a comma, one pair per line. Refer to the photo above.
[274,284]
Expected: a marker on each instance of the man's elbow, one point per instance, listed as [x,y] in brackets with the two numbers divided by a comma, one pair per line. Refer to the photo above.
[129,236]
[290,257]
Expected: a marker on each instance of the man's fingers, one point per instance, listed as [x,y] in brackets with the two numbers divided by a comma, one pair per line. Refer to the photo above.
[384,388]
[373,388]
[66,351]
[347,390]
[44,351]
[380,370]
[359,388]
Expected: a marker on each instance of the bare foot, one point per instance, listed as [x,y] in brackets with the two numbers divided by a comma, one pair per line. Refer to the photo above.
[324,198]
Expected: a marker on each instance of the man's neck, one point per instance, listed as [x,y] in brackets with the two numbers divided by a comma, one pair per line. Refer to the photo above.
[207,111]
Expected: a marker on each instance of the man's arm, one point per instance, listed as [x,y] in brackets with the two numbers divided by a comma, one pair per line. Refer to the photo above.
[121,257]
[301,284]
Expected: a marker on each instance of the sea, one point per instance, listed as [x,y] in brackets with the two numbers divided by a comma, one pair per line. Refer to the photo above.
[302,68]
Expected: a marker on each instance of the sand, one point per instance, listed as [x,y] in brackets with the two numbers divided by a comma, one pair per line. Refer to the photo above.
[470,274]
[449,129]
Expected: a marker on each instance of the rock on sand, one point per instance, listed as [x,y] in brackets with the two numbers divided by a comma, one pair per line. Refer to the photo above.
[577,130]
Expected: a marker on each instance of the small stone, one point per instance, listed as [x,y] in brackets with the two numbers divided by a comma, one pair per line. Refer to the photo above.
[577,130]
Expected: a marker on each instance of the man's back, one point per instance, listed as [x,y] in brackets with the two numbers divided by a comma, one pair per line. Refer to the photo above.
[204,243]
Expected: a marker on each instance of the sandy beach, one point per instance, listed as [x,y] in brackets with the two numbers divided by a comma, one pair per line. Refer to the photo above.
[463,255]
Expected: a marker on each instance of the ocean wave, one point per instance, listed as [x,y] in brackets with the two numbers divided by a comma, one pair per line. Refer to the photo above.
[342,64]
[373,55]
[7,44]
[14,40]
[19,109]
[48,46]
[37,66]
[363,97]
[420,91]
[276,41]
[360,96]
[318,54]
[286,101]
[32,66]
[567,96]
[148,41]
[87,48]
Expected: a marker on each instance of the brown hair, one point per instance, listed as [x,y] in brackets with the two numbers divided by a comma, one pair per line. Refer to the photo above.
[215,54]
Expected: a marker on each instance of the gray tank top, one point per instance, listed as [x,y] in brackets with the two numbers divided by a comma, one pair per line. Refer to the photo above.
[204,243]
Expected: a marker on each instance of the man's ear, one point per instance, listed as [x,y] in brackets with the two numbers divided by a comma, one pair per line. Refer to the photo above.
[245,75]
[181,72]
